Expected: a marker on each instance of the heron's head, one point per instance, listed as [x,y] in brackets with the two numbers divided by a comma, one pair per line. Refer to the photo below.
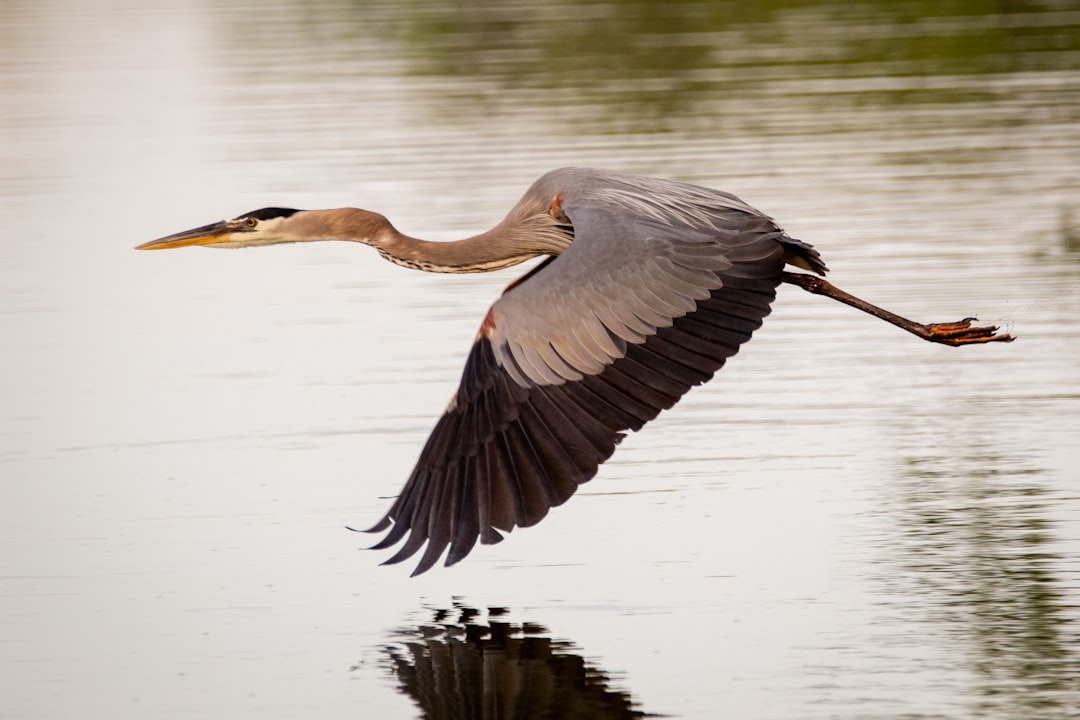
[271,226]
[266,226]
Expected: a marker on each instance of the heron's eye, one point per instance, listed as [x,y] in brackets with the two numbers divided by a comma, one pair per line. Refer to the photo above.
[251,222]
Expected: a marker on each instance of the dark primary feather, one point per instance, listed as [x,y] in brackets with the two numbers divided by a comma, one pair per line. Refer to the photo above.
[657,290]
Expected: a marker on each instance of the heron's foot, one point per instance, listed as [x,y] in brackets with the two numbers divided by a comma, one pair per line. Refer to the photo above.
[964,333]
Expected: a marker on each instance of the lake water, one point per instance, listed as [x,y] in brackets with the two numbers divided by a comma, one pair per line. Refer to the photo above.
[846,523]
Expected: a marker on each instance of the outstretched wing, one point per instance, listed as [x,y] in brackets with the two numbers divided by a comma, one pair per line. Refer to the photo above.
[594,342]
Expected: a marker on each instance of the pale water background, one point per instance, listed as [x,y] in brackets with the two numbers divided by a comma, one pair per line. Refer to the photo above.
[846,523]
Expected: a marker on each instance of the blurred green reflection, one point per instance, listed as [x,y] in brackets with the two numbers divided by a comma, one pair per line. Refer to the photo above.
[651,66]
[978,562]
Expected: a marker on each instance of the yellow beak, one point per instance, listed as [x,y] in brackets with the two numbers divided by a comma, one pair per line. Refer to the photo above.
[212,234]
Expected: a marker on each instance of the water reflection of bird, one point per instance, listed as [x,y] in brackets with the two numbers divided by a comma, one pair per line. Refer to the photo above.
[463,666]
[649,287]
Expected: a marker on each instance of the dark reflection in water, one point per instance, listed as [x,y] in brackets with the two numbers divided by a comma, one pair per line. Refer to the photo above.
[462,665]
[977,561]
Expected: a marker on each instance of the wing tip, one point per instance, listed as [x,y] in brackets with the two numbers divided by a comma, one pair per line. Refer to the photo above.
[381,525]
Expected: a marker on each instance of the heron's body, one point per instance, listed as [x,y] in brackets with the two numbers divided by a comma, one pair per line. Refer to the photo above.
[651,285]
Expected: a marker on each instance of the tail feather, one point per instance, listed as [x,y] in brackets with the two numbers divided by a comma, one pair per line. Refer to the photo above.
[803,255]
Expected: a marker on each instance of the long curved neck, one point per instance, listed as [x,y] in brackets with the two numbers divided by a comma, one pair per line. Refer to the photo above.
[514,240]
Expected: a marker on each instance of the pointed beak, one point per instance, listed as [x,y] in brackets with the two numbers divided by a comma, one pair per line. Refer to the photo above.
[212,234]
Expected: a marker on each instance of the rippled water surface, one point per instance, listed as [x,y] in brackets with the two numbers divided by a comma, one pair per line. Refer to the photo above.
[846,523]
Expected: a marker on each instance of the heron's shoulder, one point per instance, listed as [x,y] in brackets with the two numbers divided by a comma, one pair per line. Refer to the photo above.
[660,198]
